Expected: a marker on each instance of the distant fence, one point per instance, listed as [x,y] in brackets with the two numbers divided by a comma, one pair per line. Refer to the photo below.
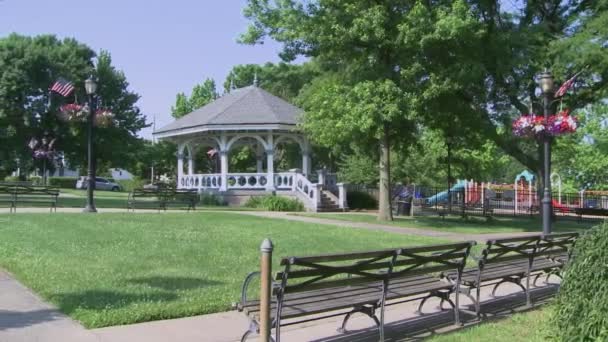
[498,202]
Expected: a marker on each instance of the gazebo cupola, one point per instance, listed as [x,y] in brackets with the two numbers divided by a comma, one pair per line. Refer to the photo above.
[247,116]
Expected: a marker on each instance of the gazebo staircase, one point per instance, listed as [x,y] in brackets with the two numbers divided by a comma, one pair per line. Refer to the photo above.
[329,203]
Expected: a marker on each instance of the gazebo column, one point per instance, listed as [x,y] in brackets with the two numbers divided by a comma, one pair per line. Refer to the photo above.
[190,163]
[259,156]
[180,168]
[270,163]
[306,162]
[224,170]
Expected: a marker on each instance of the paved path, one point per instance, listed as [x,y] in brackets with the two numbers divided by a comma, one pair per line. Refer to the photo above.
[26,318]
[384,227]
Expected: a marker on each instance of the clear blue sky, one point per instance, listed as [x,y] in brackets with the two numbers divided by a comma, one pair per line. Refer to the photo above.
[164,47]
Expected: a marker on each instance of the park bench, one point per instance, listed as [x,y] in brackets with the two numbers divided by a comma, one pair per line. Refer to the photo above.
[591,212]
[13,195]
[146,199]
[331,285]
[514,260]
[182,197]
[161,198]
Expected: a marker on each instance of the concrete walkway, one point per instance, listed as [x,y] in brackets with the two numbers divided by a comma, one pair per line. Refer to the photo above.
[384,227]
[26,318]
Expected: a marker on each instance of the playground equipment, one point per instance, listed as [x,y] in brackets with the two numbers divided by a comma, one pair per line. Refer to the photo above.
[518,198]
[443,196]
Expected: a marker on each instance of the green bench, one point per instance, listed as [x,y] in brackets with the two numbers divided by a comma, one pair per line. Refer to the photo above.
[160,199]
[15,195]
[315,287]
[515,260]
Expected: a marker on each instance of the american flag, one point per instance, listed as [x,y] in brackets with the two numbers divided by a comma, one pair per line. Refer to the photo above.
[567,85]
[63,87]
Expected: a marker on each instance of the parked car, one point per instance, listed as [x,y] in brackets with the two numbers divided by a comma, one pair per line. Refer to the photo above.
[100,184]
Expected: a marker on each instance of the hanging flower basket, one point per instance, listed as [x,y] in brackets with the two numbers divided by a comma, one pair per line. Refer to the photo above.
[73,112]
[104,118]
[562,123]
[535,125]
[76,113]
[42,154]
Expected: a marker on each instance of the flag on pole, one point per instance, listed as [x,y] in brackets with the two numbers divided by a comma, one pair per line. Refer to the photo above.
[62,87]
[567,85]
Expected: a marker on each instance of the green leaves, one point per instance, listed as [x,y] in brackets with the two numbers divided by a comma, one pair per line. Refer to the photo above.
[582,302]
[201,95]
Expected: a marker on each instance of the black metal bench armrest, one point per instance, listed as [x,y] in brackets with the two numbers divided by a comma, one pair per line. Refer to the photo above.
[248,280]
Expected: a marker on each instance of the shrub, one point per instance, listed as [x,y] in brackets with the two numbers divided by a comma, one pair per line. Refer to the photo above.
[63,182]
[131,184]
[361,200]
[36,180]
[274,203]
[11,179]
[582,303]
[211,199]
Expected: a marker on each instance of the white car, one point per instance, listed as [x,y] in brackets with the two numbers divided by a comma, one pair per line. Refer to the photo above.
[100,184]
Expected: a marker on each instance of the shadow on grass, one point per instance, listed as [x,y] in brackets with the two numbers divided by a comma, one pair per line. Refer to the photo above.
[174,283]
[106,300]
[423,327]
[21,319]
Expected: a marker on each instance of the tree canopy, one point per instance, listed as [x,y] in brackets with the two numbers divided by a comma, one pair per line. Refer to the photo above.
[464,67]
[29,66]
[201,95]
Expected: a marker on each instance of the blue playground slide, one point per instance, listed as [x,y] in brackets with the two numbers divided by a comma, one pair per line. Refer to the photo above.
[443,196]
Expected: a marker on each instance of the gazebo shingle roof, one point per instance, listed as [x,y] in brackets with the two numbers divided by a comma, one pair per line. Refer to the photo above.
[245,106]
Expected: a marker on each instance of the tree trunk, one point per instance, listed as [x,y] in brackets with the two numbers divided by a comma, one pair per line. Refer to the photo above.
[384,200]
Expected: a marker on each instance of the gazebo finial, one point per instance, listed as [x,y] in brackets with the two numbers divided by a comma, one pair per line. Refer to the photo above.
[255,79]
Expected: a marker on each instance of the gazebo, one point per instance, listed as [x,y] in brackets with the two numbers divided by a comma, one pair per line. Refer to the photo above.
[251,117]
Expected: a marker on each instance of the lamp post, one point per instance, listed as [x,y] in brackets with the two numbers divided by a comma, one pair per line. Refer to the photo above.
[91,87]
[546,85]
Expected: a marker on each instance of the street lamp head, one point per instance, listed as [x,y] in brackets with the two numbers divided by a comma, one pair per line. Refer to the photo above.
[90,85]
[546,82]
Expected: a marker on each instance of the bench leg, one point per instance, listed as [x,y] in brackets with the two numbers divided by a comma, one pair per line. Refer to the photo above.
[514,280]
[477,300]
[368,310]
[443,295]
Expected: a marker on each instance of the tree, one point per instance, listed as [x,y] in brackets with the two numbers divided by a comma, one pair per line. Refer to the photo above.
[201,95]
[369,114]
[29,66]
[583,156]
[282,79]
[464,64]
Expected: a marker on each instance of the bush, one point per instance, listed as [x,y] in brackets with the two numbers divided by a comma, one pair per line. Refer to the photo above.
[274,203]
[36,180]
[11,179]
[131,184]
[211,199]
[361,200]
[63,182]
[582,303]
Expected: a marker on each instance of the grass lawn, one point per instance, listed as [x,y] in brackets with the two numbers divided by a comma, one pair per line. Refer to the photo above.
[474,225]
[120,268]
[532,326]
